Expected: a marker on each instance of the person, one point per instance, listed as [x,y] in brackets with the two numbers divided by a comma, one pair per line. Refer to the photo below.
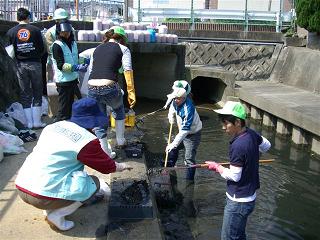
[66,67]
[59,15]
[243,174]
[189,124]
[103,86]
[29,47]
[52,177]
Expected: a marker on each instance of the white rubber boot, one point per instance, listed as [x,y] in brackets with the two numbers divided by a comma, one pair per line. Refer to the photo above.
[104,188]
[56,217]
[121,141]
[105,145]
[28,113]
[36,114]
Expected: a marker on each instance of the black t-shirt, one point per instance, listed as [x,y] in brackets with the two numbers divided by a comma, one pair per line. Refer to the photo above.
[107,59]
[27,41]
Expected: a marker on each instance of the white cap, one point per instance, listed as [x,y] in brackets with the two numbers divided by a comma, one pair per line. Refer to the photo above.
[177,92]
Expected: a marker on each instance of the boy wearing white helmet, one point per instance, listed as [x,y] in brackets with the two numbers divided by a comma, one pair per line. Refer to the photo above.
[189,124]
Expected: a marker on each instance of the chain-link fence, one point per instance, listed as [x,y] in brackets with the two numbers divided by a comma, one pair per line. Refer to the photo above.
[240,12]
[78,9]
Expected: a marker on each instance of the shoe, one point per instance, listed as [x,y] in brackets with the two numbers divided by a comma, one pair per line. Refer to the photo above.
[26,136]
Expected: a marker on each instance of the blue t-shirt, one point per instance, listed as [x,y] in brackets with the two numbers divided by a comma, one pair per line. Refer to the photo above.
[244,152]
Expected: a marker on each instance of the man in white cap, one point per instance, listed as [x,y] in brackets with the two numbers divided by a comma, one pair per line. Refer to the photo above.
[52,177]
[243,174]
[189,124]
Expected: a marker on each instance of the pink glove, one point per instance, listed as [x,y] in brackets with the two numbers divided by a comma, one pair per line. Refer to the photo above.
[213,166]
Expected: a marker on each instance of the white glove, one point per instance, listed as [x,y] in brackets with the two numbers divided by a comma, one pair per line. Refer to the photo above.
[122,166]
[168,102]
[170,147]
[171,119]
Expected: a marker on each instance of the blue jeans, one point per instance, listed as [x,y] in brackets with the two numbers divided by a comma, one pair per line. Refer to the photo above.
[109,96]
[235,219]
[190,144]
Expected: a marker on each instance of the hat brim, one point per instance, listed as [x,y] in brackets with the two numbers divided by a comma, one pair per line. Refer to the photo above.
[90,122]
[223,112]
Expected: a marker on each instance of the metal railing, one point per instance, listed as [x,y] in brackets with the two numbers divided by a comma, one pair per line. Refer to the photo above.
[78,9]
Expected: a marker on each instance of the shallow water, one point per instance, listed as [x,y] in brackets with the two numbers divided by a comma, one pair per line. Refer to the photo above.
[288,202]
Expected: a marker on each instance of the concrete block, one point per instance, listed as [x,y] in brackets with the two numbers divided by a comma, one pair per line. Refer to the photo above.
[256,113]
[299,136]
[268,120]
[315,145]
[283,127]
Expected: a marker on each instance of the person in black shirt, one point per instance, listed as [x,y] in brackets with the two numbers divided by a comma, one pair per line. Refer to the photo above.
[28,47]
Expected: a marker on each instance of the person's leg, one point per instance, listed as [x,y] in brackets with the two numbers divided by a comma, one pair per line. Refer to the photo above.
[65,100]
[235,219]
[25,91]
[55,210]
[37,87]
[191,143]
[113,98]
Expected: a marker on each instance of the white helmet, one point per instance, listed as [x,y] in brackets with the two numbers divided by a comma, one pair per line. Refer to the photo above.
[60,13]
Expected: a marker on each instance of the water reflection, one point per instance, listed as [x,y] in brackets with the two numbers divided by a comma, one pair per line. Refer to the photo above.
[288,203]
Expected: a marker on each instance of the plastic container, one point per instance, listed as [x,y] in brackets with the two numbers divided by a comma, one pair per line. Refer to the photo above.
[129,120]
[152,35]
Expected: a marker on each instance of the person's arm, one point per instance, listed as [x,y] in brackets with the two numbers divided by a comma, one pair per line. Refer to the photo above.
[128,75]
[49,40]
[57,54]
[233,173]
[94,157]
[264,145]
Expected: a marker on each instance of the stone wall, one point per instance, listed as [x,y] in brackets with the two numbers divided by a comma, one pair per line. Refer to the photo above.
[246,60]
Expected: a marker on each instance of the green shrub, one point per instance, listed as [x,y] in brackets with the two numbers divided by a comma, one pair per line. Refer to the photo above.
[308,14]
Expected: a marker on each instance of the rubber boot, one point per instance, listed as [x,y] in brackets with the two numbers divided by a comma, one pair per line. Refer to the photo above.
[56,217]
[121,141]
[28,113]
[36,115]
[104,188]
[106,147]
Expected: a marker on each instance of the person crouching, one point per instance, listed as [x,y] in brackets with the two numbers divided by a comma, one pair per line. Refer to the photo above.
[52,177]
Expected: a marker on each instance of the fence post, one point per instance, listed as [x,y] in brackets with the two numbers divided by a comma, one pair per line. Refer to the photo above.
[139,11]
[192,16]
[246,28]
[279,17]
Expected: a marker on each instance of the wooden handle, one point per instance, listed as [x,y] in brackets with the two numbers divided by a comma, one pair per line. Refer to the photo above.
[169,141]
[204,165]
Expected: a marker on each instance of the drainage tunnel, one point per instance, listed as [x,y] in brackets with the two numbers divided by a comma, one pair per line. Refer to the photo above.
[207,89]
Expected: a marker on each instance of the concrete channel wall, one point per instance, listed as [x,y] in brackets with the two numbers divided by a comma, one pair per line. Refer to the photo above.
[289,100]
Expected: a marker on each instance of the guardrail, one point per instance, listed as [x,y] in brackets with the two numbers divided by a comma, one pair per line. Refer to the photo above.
[275,18]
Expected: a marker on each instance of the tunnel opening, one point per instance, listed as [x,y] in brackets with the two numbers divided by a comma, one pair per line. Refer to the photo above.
[207,89]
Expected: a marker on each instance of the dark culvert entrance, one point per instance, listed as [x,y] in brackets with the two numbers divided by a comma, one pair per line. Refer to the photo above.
[207,89]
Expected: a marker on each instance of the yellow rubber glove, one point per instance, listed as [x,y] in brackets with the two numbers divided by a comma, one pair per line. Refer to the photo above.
[128,75]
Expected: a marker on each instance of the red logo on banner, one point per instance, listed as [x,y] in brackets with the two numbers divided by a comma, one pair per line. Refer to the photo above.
[23,35]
